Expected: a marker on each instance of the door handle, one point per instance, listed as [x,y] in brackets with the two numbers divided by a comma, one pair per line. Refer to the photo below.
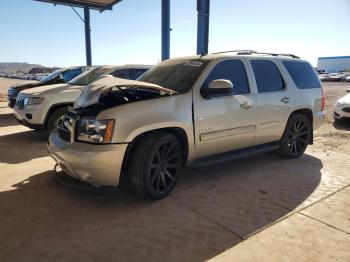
[285,99]
[246,105]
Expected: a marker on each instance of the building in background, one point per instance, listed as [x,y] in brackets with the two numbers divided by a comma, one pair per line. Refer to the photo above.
[333,64]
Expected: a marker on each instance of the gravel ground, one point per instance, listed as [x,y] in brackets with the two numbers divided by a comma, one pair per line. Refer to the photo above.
[260,208]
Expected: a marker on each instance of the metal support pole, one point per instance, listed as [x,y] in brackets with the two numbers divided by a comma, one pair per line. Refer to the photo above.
[203,7]
[165,29]
[87,35]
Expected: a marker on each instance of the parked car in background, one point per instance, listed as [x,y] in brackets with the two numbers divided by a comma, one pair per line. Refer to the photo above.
[185,110]
[324,77]
[345,75]
[342,108]
[41,107]
[63,75]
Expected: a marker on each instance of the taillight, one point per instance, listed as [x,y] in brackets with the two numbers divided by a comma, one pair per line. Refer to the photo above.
[323,99]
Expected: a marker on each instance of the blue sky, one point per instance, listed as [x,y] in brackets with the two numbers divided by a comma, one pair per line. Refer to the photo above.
[37,32]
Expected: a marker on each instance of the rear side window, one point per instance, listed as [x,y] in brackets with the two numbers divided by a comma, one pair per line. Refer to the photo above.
[268,77]
[302,74]
[232,70]
[69,75]
[123,73]
[136,73]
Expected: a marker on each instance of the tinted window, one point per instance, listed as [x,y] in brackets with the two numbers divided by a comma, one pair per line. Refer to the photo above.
[88,76]
[70,74]
[176,74]
[302,74]
[136,73]
[123,73]
[232,70]
[268,77]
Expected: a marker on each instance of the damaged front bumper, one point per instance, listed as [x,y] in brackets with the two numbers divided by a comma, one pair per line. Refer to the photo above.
[99,165]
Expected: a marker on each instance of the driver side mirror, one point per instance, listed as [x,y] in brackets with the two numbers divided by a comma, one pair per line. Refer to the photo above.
[217,88]
[221,84]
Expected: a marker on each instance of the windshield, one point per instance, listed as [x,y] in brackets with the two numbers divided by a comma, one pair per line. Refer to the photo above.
[50,76]
[89,76]
[178,75]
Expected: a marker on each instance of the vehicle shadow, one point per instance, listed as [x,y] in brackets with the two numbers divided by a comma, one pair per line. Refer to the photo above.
[7,119]
[211,210]
[342,125]
[22,146]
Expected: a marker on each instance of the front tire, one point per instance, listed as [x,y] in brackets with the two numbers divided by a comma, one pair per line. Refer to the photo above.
[296,137]
[54,117]
[155,164]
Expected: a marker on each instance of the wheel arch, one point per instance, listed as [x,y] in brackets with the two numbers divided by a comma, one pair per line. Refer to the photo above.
[54,108]
[178,132]
[309,114]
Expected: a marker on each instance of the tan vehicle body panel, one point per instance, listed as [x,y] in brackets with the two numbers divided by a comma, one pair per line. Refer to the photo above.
[212,126]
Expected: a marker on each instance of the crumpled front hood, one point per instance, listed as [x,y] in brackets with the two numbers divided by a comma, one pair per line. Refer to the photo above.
[91,93]
[48,89]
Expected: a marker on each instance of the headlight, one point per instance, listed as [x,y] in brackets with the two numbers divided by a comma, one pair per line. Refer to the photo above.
[33,101]
[95,131]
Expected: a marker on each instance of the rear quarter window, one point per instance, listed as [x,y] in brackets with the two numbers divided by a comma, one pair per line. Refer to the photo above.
[302,74]
[267,75]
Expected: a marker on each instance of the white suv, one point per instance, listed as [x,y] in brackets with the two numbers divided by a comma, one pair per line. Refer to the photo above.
[185,110]
[41,107]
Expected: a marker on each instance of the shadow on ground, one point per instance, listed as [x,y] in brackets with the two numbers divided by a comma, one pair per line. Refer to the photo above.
[342,125]
[23,146]
[7,120]
[211,209]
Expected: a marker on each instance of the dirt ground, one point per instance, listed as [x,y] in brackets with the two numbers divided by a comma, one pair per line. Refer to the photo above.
[5,83]
[260,208]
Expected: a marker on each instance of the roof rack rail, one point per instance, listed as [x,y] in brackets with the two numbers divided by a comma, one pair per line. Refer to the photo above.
[235,51]
[250,52]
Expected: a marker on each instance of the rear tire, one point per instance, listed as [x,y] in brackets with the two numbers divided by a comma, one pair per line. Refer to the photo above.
[296,137]
[155,164]
[54,116]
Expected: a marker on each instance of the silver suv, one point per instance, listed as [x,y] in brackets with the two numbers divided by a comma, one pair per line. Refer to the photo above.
[185,110]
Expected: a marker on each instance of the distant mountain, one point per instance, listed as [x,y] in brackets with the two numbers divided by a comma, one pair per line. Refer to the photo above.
[14,67]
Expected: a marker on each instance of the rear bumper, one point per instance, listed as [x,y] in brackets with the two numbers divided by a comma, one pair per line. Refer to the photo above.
[98,165]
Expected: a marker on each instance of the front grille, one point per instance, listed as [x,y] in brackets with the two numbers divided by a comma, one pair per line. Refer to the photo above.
[20,102]
[65,125]
[346,109]
[64,134]
[72,114]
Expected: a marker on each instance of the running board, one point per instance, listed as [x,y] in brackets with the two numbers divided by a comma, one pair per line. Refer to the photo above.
[232,155]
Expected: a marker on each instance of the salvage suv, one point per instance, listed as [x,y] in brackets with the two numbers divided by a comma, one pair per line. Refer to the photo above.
[40,107]
[185,110]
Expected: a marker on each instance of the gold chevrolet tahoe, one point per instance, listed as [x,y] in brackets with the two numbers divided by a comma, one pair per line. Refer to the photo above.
[184,110]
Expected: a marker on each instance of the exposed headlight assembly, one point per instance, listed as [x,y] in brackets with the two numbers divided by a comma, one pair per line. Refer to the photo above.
[95,131]
[33,101]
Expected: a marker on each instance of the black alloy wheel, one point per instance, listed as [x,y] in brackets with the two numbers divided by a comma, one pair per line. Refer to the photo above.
[155,164]
[296,136]
[164,167]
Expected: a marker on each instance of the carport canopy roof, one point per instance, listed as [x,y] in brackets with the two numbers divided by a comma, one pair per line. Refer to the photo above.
[100,5]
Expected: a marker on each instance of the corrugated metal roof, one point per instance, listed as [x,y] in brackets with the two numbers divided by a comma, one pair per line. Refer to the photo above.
[93,4]
[333,57]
